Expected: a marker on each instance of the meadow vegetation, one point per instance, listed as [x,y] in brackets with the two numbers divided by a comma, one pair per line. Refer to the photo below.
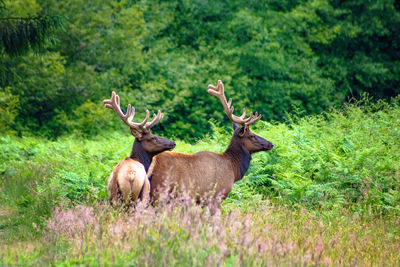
[328,193]
[325,75]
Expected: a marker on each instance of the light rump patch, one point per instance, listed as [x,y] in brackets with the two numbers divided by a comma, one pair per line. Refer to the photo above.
[130,177]
[128,181]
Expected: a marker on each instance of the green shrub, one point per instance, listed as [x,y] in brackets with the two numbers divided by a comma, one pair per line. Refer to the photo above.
[275,57]
[9,105]
[345,157]
[90,119]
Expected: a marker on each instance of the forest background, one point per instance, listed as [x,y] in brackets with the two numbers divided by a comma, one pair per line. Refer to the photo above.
[275,57]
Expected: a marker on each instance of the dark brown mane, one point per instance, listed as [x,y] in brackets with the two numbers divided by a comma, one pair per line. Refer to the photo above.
[239,157]
[140,154]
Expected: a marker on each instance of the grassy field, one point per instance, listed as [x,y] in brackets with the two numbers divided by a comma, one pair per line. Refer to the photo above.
[327,194]
[184,235]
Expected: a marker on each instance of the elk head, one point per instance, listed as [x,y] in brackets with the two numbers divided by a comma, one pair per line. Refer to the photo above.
[151,143]
[248,140]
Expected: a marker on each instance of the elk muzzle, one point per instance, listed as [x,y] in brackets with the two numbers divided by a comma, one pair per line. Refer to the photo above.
[166,143]
[264,144]
[268,146]
[257,143]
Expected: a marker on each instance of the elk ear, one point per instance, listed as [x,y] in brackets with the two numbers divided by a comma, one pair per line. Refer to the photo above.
[136,133]
[243,130]
[234,126]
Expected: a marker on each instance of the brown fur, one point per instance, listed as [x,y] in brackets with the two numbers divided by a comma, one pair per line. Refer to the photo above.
[205,172]
[129,182]
[195,173]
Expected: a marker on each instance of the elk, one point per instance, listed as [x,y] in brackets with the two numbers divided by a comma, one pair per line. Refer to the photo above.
[205,172]
[128,180]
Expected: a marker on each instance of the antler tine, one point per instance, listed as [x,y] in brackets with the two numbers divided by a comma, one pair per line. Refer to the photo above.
[116,106]
[144,126]
[108,102]
[229,102]
[130,113]
[156,119]
[218,91]
[243,114]
[141,125]
[253,119]
[114,103]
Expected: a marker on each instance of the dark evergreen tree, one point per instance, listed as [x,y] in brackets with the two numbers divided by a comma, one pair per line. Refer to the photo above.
[18,34]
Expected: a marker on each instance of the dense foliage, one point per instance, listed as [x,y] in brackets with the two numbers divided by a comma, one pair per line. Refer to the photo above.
[328,193]
[344,159]
[276,57]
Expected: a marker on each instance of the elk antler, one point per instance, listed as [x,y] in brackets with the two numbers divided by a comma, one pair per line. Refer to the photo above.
[218,91]
[144,126]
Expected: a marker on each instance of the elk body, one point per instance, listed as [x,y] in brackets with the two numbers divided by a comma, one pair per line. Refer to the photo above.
[128,181]
[206,174]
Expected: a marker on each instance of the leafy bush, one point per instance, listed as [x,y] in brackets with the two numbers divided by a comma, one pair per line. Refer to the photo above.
[9,105]
[346,157]
[90,119]
[276,57]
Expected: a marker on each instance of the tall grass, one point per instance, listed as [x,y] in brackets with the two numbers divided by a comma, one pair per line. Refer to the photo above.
[331,184]
[180,233]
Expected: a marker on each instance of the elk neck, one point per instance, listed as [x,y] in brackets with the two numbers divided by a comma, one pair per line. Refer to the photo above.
[140,154]
[239,157]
